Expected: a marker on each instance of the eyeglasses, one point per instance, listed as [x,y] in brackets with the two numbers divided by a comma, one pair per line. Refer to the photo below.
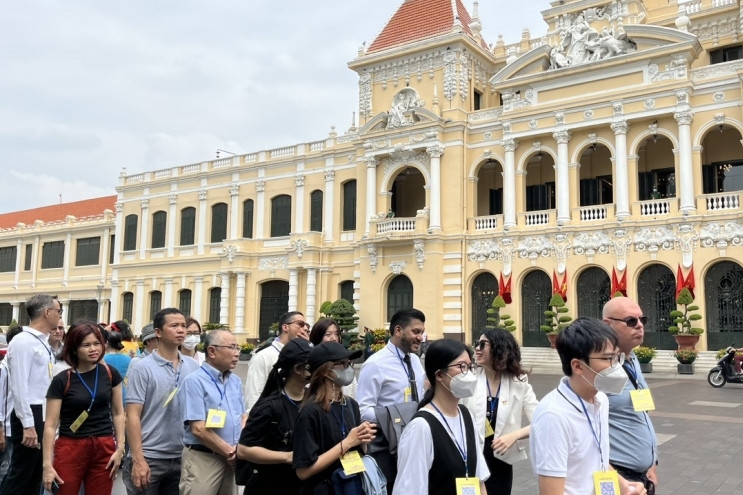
[300,323]
[58,329]
[58,310]
[614,361]
[344,364]
[480,344]
[631,321]
[232,347]
[463,367]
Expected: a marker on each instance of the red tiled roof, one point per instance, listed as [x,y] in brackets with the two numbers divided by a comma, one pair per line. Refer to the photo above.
[417,20]
[79,209]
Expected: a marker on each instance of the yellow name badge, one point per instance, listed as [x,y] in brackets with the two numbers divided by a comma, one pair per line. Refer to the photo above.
[468,486]
[352,463]
[79,421]
[408,394]
[51,370]
[170,397]
[606,482]
[488,429]
[642,400]
[215,418]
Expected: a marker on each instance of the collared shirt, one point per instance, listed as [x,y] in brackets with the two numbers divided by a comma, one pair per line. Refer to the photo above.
[151,382]
[6,397]
[632,436]
[258,371]
[209,389]
[30,359]
[384,378]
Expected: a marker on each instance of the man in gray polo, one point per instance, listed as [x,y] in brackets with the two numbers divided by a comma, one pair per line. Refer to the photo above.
[153,411]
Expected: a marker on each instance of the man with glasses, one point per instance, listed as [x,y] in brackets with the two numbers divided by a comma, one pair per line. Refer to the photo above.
[634,446]
[30,363]
[291,326]
[213,413]
[569,439]
[56,339]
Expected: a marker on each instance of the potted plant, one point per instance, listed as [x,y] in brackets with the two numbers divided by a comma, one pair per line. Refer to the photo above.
[246,349]
[644,356]
[685,334]
[557,318]
[685,357]
[498,320]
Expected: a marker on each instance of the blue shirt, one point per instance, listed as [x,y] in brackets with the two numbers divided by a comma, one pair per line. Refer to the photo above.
[206,389]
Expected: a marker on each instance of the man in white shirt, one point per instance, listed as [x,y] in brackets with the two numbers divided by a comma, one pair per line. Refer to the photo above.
[291,326]
[393,375]
[30,361]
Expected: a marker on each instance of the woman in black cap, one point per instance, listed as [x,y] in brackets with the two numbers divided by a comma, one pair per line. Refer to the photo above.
[267,439]
[329,431]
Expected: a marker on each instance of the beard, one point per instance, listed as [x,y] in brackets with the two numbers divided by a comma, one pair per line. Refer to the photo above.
[407,344]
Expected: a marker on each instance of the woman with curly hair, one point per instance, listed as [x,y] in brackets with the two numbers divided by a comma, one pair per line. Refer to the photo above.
[328,330]
[502,394]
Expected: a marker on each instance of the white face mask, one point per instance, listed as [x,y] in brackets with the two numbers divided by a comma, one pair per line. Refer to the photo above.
[191,341]
[344,377]
[463,386]
[610,380]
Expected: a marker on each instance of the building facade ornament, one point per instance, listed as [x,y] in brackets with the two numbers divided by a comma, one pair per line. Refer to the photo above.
[561,245]
[202,194]
[560,118]
[365,95]
[562,136]
[686,242]
[617,107]
[229,252]
[260,186]
[653,239]
[329,175]
[435,151]
[372,250]
[588,114]
[487,136]
[509,145]
[403,103]
[649,103]
[299,180]
[620,127]
[420,256]
[234,189]
[119,206]
[145,203]
[298,247]
[684,118]
[678,68]
[591,243]
[450,75]
[397,267]
[721,235]
[273,263]
[172,199]
[535,246]
[718,96]
[400,158]
[682,98]
[580,43]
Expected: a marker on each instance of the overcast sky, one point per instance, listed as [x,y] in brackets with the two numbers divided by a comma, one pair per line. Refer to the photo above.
[88,86]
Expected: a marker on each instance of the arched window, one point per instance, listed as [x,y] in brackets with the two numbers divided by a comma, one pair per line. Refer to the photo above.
[281,215]
[723,290]
[346,290]
[656,294]
[83,309]
[484,290]
[316,211]
[156,302]
[188,226]
[536,292]
[215,301]
[184,301]
[127,306]
[159,220]
[248,219]
[130,232]
[219,222]
[594,289]
[349,205]
[399,295]
[274,303]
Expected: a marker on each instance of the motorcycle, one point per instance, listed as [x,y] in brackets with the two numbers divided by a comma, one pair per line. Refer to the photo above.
[725,370]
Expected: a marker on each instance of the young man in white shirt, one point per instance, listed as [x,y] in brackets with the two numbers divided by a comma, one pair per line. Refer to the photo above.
[569,438]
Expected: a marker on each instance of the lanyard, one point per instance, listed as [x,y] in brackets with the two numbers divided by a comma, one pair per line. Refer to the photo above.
[402,363]
[177,374]
[493,403]
[590,424]
[341,422]
[95,387]
[462,451]
[221,393]
[46,346]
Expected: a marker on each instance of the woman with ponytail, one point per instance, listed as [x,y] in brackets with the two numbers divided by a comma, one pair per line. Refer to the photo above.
[267,439]
[438,452]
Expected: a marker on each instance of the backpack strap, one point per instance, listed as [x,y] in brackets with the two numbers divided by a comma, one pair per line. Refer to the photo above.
[67,385]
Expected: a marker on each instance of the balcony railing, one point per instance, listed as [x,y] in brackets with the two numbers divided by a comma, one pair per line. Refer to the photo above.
[722,201]
[532,218]
[489,222]
[593,213]
[396,225]
[655,207]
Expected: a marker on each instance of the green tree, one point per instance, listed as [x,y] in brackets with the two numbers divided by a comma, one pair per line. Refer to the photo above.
[344,313]
[683,319]
[498,320]
[557,317]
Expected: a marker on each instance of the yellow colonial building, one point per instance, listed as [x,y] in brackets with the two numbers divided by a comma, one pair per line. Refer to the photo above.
[609,144]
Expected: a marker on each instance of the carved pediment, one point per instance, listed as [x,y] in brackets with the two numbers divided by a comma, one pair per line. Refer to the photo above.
[414,116]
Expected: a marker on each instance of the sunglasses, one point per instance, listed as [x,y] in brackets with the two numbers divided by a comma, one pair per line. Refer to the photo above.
[631,321]
[480,344]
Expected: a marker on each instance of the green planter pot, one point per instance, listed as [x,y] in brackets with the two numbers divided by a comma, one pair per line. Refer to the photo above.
[646,367]
[685,369]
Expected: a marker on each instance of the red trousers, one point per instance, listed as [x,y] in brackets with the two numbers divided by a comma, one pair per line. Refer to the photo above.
[79,460]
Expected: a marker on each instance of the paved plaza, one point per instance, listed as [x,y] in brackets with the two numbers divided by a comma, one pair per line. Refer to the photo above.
[700,429]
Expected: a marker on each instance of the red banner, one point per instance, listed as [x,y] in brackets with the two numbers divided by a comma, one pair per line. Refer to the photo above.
[560,288]
[505,288]
[687,281]
[617,284]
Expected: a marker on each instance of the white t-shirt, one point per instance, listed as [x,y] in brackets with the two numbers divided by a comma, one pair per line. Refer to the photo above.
[415,455]
[563,443]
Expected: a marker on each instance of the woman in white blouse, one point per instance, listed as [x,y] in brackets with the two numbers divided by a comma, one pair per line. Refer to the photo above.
[502,395]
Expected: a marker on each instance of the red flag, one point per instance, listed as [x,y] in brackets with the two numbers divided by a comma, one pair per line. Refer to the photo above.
[679,280]
[689,281]
[505,289]
[560,288]
[623,284]
[618,285]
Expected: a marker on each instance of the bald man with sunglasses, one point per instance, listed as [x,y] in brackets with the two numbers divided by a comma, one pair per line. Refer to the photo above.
[634,445]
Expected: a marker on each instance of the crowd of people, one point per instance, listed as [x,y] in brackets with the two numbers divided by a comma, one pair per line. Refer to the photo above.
[80,409]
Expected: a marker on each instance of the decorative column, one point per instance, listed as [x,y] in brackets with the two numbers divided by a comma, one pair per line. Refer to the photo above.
[371,191]
[119,230]
[198,297]
[435,153]
[234,210]
[329,206]
[224,299]
[260,208]
[311,295]
[509,183]
[240,302]
[113,302]
[138,310]
[300,201]
[562,176]
[143,233]
[685,183]
[201,240]
[172,221]
[292,289]
[621,177]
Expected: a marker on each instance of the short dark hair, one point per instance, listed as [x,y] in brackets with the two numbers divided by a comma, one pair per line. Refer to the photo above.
[75,337]
[438,356]
[114,340]
[159,319]
[404,316]
[193,321]
[12,332]
[580,339]
[123,327]
[286,319]
[319,329]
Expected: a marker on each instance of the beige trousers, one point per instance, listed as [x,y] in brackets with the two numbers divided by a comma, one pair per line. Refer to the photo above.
[204,473]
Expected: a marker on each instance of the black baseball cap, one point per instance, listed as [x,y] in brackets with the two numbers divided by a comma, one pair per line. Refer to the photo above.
[329,351]
[294,352]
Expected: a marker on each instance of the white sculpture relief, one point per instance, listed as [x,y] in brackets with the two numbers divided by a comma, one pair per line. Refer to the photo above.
[145,203]
[533,123]
[397,267]
[487,136]
[229,251]
[450,75]
[119,206]
[420,256]
[202,194]
[329,175]
[299,180]
[686,241]
[481,251]
[649,103]
[534,247]
[260,186]
[372,250]
[653,240]
[365,95]
[561,246]
[591,243]
[676,69]
[405,157]
[298,247]
[588,114]
[404,102]
[273,263]
[234,190]
[580,43]
[620,241]
[718,96]
[515,99]
[464,76]
[172,199]
[716,70]
[721,235]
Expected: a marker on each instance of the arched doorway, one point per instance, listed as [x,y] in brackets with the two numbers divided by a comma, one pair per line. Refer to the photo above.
[536,291]
[656,295]
[723,291]
[274,303]
[594,289]
[399,295]
[484,290]
[408,193]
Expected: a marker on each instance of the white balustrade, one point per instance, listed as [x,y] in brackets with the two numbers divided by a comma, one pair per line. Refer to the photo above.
[722,201]
[317,146]
[224,162]
[536,218]
[288,151]
[655,207]
[162,173]
[486,223]
[396,225]
[190,169]
[593,213]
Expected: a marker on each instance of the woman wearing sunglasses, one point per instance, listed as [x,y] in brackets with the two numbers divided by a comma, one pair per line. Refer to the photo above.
[328,330]
[438,451]
[502,395]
